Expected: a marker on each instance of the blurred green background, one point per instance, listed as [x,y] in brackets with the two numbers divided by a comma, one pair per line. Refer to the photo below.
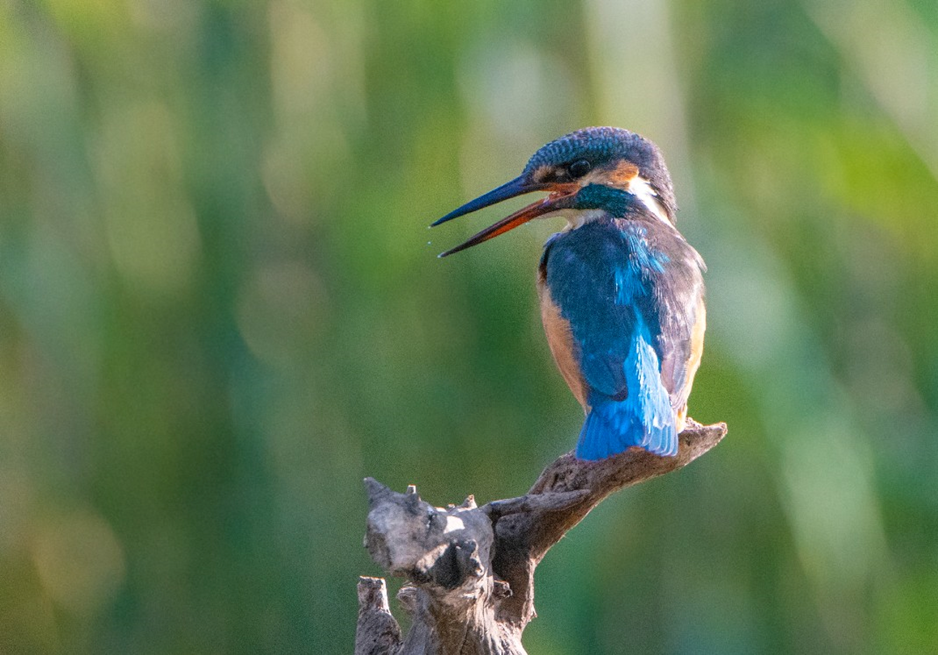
[220,309]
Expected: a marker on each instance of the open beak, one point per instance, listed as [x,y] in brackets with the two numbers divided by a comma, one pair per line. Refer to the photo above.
[558,199]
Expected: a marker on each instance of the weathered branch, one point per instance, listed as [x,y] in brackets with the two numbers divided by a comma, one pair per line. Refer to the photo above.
[470,570]
[377,632]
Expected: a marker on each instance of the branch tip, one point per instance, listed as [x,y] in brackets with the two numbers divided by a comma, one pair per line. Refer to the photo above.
[375,490]
[372,594]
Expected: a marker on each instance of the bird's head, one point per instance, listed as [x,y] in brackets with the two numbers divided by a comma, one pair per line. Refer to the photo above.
[592,172]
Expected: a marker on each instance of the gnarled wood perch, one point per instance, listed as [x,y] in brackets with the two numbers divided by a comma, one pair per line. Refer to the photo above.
[470,569]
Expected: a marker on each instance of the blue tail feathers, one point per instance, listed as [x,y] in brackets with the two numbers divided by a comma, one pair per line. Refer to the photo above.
[613,426]
[644,418]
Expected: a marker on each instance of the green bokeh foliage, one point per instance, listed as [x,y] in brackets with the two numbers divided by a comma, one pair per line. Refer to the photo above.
[219,311]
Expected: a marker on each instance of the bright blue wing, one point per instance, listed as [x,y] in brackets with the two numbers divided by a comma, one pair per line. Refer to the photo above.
[611,286]
[602,296]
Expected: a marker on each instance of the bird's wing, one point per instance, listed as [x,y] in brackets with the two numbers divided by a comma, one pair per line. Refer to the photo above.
[581,280]
[612,299]
[680,306]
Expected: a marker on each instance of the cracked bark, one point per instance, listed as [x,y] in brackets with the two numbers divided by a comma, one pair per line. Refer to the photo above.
[469,569]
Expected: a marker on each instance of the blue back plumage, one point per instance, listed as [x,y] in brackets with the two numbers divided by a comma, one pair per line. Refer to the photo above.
[617,283]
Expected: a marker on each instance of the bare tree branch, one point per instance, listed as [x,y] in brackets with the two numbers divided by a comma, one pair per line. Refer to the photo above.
[470,570]
[378,632]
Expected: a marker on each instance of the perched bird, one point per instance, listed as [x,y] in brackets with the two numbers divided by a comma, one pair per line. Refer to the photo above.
[621,291]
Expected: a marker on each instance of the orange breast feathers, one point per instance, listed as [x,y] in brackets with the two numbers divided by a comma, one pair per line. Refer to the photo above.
[560,339]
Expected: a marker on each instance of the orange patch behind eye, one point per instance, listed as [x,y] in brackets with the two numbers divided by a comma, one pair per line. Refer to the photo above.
[623,173]
[620,176]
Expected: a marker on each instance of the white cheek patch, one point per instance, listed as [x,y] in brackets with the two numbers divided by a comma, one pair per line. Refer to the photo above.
[641,189]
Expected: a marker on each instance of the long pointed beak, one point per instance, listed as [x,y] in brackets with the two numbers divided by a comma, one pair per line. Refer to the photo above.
[517,187]
[555,201]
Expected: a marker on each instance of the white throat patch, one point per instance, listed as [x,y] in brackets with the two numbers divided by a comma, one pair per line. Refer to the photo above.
[641,189]
[580,217]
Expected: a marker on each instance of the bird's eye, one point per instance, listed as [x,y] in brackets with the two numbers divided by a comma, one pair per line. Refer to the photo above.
[579,168]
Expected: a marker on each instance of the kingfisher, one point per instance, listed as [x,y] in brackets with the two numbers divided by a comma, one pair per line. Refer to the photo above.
[621,291]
